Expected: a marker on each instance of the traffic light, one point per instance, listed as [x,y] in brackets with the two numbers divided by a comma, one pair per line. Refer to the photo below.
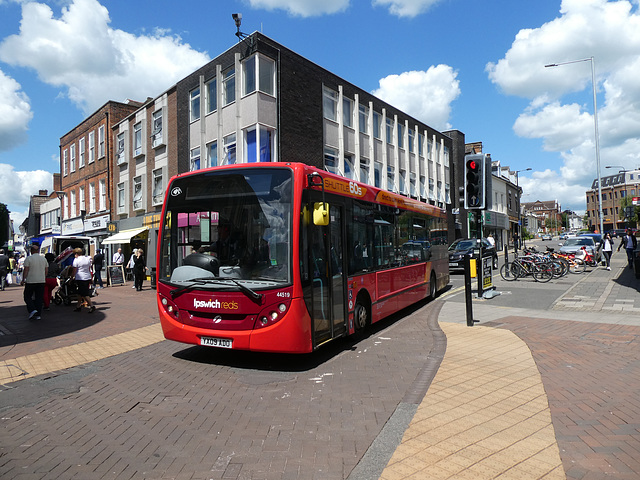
[474,182]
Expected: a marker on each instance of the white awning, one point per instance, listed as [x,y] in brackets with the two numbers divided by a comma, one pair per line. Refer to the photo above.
[124,236]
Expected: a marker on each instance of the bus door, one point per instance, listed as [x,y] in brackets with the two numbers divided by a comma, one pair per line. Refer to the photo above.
[328,283]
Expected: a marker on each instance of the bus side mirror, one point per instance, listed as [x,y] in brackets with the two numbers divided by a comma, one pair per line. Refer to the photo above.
[321,214]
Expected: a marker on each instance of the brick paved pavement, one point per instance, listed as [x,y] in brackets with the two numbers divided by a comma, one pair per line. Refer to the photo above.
[170,411]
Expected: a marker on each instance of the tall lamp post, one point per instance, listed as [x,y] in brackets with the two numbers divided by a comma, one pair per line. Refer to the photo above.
[520,203]
[595,123]
[624,172]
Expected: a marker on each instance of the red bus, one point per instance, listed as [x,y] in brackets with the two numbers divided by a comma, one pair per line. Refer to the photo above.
[284,257]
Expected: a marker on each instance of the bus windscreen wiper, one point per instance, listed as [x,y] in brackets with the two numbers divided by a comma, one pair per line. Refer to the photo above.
[255,296]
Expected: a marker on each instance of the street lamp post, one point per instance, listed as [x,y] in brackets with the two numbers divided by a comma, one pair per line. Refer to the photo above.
[595,123]
[520,204]
[624,172]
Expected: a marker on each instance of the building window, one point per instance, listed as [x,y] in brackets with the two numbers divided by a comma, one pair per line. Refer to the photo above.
[156,132]
[137,139]
[65,207]
[331,160]
[229,150]
[121,198]
[92,197]
[377,174]
[249,76]
[347,112]
[390,179]
[403,182]
[259,144]
[194,160]
[420,142]
[72,161]
[400,135]
[158,187]
[194,104]
[229,87]
[412,185]
[120,149]
[65,160]
[81,199]
[103,195]
[82,152]
[101,141]
[92,147]
[377,120]
[623,194]
[411,139]
[363,118]
[266,75]
[364,170]
[73,211]
[330,104]
[212,154]
[211,91]
[389,130]
[137,194]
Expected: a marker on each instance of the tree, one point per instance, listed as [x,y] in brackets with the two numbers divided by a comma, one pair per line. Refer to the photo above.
[4,224]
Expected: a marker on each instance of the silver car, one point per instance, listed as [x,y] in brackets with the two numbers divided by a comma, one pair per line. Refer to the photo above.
[572,245]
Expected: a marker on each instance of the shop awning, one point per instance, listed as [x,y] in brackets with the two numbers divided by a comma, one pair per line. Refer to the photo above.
[124,236]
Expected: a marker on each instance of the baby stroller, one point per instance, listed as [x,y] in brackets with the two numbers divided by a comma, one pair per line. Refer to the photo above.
[67,291]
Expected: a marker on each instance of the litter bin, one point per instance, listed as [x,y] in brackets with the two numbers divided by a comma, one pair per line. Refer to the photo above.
[153,278]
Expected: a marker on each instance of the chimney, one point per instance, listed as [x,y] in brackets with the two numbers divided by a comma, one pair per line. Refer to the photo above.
[43,193]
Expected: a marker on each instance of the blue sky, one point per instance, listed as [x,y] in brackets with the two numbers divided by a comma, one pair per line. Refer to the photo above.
[475,66]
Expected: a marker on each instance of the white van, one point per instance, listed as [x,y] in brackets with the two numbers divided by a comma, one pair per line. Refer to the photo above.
[57,245]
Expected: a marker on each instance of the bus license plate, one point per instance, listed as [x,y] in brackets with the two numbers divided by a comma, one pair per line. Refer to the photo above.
[216,342]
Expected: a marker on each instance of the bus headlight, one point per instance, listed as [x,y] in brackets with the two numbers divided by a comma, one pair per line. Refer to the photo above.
[169,307]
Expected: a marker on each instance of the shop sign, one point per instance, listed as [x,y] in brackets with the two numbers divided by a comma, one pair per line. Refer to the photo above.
[96,223]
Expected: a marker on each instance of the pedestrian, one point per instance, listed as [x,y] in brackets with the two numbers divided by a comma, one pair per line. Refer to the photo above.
[4,268]
[130,265]
[606,246]
[35,270]
[19,268]
[630,243]
[82,275]
[139,267]
[118,257]
[51,279]
[98,262]
[491,240]
[12,268]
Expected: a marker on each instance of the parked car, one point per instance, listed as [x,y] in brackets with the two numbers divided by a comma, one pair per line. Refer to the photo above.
[617,232]
[572,245]
[546,236]
[465,246]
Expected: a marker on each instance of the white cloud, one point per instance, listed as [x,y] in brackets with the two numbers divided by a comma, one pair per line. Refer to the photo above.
[424,95]
[18,186]
[15,113]
[303,8]
[93,62]
[610,32]
[406,8]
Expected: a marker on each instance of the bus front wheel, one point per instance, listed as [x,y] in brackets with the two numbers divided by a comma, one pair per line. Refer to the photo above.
[360,317]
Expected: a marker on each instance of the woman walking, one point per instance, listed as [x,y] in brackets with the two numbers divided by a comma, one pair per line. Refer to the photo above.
[139,267]
[83,275]
[606,245]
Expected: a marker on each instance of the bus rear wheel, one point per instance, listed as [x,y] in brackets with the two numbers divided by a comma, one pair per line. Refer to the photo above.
[433,288]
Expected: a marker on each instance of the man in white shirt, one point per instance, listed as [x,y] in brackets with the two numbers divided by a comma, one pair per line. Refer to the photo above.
[118,257]
[33,279]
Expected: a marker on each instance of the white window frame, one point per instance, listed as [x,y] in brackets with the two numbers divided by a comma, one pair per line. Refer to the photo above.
[92,147]
[228,86]
[81,148]
[229,150]
[377,124]
[261,131]
[266,80]
[211,97]
[195,156]
[211,161]
[73,211]
[120,148]
[157,187]
[122,197]
[72,158]
[101,141]
[81,199]
[330,104]
[102,187]
[363,115]
[157,128]
[347,112]
[92,197]
[137,197]
[194,104]
[249,75]
[137,140]
[65,161]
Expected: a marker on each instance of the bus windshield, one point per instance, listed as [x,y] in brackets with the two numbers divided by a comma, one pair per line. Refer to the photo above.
[228,225]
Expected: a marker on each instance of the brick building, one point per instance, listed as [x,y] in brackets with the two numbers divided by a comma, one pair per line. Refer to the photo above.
[625,183]
[86,172]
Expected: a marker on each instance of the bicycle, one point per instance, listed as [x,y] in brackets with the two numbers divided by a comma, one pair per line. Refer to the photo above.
[522,266]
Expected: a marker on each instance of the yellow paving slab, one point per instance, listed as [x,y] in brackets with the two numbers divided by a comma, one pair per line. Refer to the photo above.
[66,357]
[485,415]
